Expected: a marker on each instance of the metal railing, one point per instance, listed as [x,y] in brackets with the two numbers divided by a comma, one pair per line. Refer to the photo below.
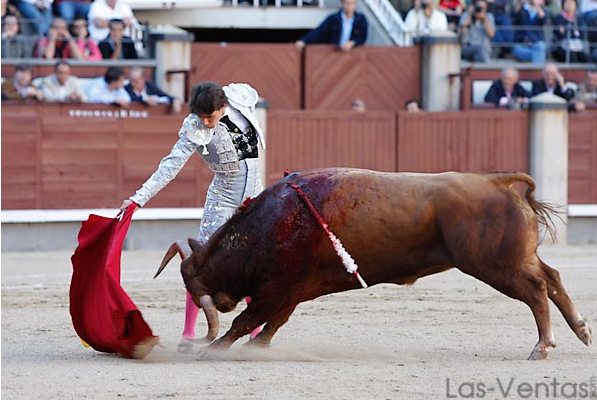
[390,20]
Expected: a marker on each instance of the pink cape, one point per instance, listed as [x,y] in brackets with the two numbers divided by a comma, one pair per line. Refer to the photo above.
[103,314]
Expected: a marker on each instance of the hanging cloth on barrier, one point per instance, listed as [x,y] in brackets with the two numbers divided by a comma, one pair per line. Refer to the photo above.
[103,314]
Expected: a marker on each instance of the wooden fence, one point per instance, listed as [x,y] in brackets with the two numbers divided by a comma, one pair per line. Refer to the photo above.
[88,156]
[273,69]
[319,78]
[582,158]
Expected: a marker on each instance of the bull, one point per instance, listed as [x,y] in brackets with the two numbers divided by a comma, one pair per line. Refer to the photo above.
[398,227]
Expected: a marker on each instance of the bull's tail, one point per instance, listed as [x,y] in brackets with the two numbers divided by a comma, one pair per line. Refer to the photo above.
[545,211]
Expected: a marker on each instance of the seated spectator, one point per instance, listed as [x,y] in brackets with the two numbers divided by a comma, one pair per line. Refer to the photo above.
[588,11]
[507,92]
[117,46]
[567,36]
[72,9]
[109,89]
[61,86]
[20,87]
[587,90]
[14,45]
[143,91]
[412,105]
[477,28]
[38,13]
[529,17]
[102,11]
[424,19]
[88,48]
[58,43]
[453,10]
[358,105]
[504,35]
[346,29]
[553,82]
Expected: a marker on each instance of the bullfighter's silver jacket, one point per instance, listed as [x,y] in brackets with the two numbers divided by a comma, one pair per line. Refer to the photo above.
[234,180]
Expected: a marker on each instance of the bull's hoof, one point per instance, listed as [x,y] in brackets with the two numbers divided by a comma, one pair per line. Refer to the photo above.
[186,345]
[584,332]
[541,351]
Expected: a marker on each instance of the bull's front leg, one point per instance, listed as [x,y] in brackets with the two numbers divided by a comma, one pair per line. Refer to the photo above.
[256,314]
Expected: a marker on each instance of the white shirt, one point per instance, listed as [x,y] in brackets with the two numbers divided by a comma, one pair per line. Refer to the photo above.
[99,92]
[418,24]
[237,118]
[100,9]
[587,5]
[347,24]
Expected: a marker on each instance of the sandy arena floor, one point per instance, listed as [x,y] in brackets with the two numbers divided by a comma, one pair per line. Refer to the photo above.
[448,336]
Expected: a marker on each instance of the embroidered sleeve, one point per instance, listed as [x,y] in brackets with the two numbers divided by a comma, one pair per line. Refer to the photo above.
[166,171]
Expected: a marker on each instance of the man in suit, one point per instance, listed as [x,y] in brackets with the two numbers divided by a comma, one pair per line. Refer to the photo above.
[145,92]
[117,46]
[553,82]
[346,29]
[507,92]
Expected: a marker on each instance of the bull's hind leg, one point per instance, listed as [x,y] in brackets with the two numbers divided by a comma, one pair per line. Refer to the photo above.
[528,287]
[557,294]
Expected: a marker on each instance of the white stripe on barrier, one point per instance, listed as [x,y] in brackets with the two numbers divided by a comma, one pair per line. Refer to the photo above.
[143,214]
[154,214]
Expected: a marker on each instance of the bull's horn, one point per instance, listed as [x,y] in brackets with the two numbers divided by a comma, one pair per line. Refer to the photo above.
[213,322]
[179,247]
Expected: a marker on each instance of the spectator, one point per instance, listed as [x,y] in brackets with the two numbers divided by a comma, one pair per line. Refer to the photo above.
[20,87]
[59,43]
[358,105]
[553,82]
[88,48]
[72,9]
[504,35]
[143,91]
[567,36]
[412,105]
[588,10]
[102,11]
[477,27]
[38,13]
[529,17]
[61,86]
[587,91]
[424,19]
[118,46]
[507,92]
[346,29]
[14,45]
[109,89]
[453,10]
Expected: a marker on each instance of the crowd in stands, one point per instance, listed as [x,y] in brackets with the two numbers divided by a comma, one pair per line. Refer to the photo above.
[68,29]
[63,87]
[523,30]
[507,92]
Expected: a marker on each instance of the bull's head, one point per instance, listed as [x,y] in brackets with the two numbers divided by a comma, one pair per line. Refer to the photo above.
[193,258]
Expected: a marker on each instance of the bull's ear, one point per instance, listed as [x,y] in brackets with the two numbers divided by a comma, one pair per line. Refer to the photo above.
[195,245]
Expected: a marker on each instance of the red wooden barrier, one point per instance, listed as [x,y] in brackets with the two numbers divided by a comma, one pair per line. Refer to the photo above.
[464,141]
[300,140]
[582,158]
[273,69]
[384,77]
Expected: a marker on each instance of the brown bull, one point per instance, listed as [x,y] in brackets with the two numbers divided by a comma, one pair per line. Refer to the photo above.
[398,227]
